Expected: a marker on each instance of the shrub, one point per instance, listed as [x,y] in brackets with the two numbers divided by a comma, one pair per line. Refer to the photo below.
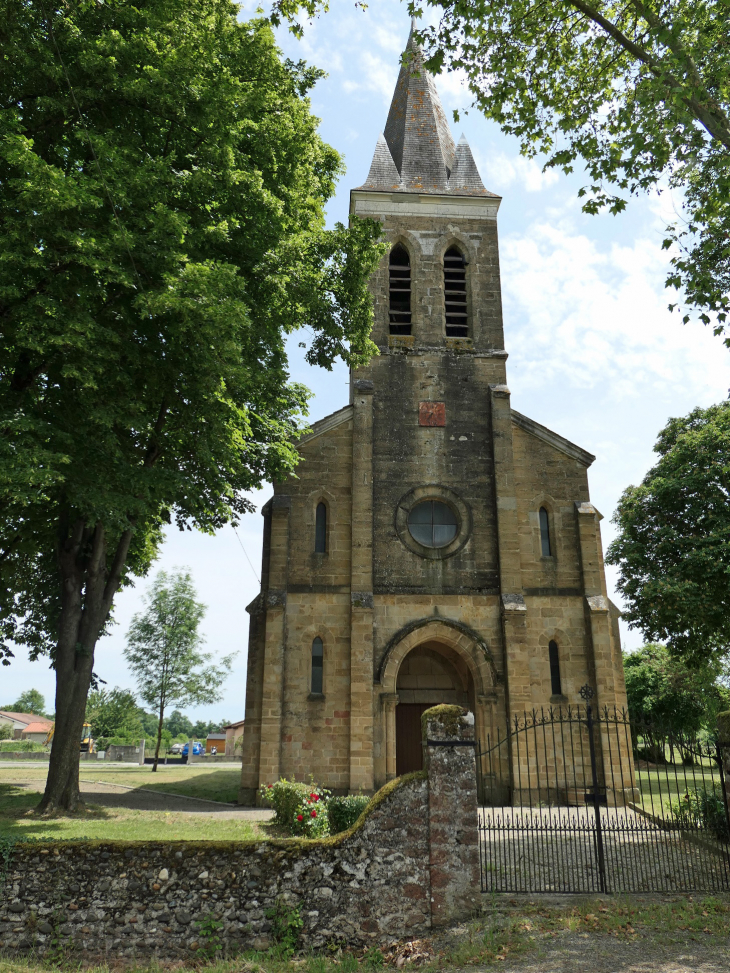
[20,746]
[704,809]
[343,812]
[299,807]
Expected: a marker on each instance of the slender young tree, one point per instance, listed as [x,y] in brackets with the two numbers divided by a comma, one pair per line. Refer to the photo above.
[162,231]
[163,650]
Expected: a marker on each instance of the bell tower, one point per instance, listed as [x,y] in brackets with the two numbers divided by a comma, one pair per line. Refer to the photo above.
[436,546]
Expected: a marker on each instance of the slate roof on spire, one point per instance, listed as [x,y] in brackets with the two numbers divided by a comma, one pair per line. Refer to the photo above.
[416,153]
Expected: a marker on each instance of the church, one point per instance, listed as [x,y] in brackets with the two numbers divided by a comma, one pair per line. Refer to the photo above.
[436,545]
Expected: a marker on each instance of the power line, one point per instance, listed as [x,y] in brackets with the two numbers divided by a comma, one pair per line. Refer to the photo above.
[247,557]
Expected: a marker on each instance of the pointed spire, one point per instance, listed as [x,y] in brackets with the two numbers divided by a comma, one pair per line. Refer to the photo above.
[465,178]
[416,152]
[417,131]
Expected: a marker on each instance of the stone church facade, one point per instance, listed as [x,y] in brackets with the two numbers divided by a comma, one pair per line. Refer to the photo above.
[436,545]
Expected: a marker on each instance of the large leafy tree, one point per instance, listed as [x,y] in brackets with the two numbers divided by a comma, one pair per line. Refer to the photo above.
[31,701]
[664,690]
[164,650]
[162,192]
[673,543]
[113,712]
[636,92]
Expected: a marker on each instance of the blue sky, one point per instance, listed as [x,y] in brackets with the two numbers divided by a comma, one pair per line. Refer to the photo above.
[594,352]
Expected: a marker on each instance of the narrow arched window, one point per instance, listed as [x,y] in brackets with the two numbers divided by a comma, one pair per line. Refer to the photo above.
[320,529]
[455,294]
[545,533]
[554,669]
[317,666]
[400,290]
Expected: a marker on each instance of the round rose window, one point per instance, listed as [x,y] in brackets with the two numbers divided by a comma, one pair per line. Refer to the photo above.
[432,523]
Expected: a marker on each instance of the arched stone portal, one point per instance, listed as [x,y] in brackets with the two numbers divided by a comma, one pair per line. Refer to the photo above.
[434,662]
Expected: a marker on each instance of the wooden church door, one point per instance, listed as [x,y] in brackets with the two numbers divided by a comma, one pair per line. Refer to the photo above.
[408,741]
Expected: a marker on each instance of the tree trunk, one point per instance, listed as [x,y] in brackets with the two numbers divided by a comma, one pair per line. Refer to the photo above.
[87,592]
[159,737]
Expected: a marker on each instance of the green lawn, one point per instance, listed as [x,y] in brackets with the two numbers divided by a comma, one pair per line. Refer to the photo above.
[99,823]
[663,786]
[117,824]
[195,781]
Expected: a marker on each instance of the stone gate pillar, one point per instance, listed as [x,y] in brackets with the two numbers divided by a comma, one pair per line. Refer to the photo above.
[448,736]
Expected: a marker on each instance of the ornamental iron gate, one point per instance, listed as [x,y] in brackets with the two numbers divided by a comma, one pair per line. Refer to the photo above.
[577,801]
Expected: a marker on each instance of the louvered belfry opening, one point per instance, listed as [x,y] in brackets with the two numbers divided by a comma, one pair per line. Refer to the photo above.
[400,290]
[455,294]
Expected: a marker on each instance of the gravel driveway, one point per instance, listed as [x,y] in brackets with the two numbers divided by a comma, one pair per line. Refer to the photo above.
[596,953]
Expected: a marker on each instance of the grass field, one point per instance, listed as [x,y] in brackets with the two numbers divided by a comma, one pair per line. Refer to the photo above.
[104,823]
[196,781]
[663,786]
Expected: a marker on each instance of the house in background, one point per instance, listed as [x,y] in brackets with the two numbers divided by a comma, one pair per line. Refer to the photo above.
[37,732]
[234,732]
[19,723]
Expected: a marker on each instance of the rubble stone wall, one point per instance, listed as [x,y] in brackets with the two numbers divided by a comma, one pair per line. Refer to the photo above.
[181,899]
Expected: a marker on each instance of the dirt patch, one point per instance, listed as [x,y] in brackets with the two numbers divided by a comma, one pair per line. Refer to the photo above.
[141,799]
[595,953]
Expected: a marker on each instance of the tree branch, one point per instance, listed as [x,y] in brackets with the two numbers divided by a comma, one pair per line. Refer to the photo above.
[717,127]
[115,573]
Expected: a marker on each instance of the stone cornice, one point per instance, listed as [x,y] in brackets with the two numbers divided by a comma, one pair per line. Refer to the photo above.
[548,436]
[372,204]
[324,425]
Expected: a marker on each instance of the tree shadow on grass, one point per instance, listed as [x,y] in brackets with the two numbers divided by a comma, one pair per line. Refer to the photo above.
[18,818]
[218,785]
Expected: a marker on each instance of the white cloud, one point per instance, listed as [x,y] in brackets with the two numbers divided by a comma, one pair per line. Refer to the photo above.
[377,75]
[499,171]
[588,314]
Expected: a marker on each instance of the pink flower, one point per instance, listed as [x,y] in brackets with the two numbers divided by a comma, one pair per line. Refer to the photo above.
[300,817]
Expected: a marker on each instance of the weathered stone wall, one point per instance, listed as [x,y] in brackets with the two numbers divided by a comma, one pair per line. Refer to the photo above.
[111,900]
[411,863]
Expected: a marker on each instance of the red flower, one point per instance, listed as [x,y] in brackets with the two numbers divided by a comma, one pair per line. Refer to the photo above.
[314,814]
[315,796]
[270,786]
[300,817]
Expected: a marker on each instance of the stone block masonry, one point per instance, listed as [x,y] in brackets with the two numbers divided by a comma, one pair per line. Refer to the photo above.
[409,864]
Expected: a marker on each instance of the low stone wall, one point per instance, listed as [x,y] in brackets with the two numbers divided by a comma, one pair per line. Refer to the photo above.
[41,755]
[398,872]
[126,753]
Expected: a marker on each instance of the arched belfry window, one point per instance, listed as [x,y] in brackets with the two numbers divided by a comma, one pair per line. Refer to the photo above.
[317,683]
[320,529]
[457,325]
[400,290]
[545,545]
[554,669]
